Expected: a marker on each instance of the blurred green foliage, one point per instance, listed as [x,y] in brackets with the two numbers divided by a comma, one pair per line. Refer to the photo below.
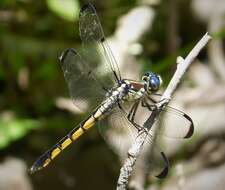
[219,34]
[14,129]
[68,10]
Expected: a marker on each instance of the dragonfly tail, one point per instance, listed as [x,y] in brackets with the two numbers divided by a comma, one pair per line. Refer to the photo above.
[49,155]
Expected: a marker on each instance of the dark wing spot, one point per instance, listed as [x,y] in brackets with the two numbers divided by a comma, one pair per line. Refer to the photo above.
[191,129]
[102,39]
[165,170]
[65,54]
[88,8]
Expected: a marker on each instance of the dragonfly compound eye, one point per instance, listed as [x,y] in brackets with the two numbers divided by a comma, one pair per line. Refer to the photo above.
[154,83]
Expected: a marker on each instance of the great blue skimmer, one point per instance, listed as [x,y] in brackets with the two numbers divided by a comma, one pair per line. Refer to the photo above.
[108,93]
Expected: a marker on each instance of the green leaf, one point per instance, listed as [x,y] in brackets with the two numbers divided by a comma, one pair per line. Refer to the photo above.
[15,129]
[67,9]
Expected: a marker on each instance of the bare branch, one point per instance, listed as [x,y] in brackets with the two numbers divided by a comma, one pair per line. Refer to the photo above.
[134,151]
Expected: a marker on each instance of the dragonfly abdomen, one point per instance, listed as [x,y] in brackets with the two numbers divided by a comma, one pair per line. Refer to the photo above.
[73,135]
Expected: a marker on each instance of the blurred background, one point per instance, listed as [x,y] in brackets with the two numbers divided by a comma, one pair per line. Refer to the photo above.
[35,109]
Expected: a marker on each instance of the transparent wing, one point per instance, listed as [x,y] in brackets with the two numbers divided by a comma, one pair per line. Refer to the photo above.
[92,73]
[155,160]
[117,131]
[173,122]
[85,89]
[92,35]
[120,134]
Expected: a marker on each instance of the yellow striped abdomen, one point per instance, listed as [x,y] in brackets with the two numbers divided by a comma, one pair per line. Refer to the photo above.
[48,156]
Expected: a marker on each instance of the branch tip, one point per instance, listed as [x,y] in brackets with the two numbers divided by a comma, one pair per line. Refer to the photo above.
[179,60]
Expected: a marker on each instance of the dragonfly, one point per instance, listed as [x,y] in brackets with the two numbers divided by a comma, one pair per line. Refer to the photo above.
[109,96]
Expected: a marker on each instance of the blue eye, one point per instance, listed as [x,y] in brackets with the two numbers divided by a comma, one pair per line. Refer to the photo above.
[154,82]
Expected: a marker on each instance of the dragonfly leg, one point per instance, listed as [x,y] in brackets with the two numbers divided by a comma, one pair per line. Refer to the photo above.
[133,111]
[131,116]
[155,101]
[152,99]
[119,105]
[145,104]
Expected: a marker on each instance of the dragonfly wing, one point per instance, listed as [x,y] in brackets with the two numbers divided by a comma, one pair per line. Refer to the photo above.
[92,73]
[175,123]
[117,131]
[94,41]
[171,122]
[157,163]
[120,133]
[85,89]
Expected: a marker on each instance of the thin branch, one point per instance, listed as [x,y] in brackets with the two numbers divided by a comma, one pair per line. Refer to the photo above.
[134,151]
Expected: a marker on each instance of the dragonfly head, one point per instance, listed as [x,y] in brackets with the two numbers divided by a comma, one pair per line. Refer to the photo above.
[152,82]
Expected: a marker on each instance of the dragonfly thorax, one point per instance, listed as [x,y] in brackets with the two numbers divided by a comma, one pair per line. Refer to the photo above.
[135,90]
[119,91]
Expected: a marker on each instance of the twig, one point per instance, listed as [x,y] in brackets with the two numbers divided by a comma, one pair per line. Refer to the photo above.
[134,151]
